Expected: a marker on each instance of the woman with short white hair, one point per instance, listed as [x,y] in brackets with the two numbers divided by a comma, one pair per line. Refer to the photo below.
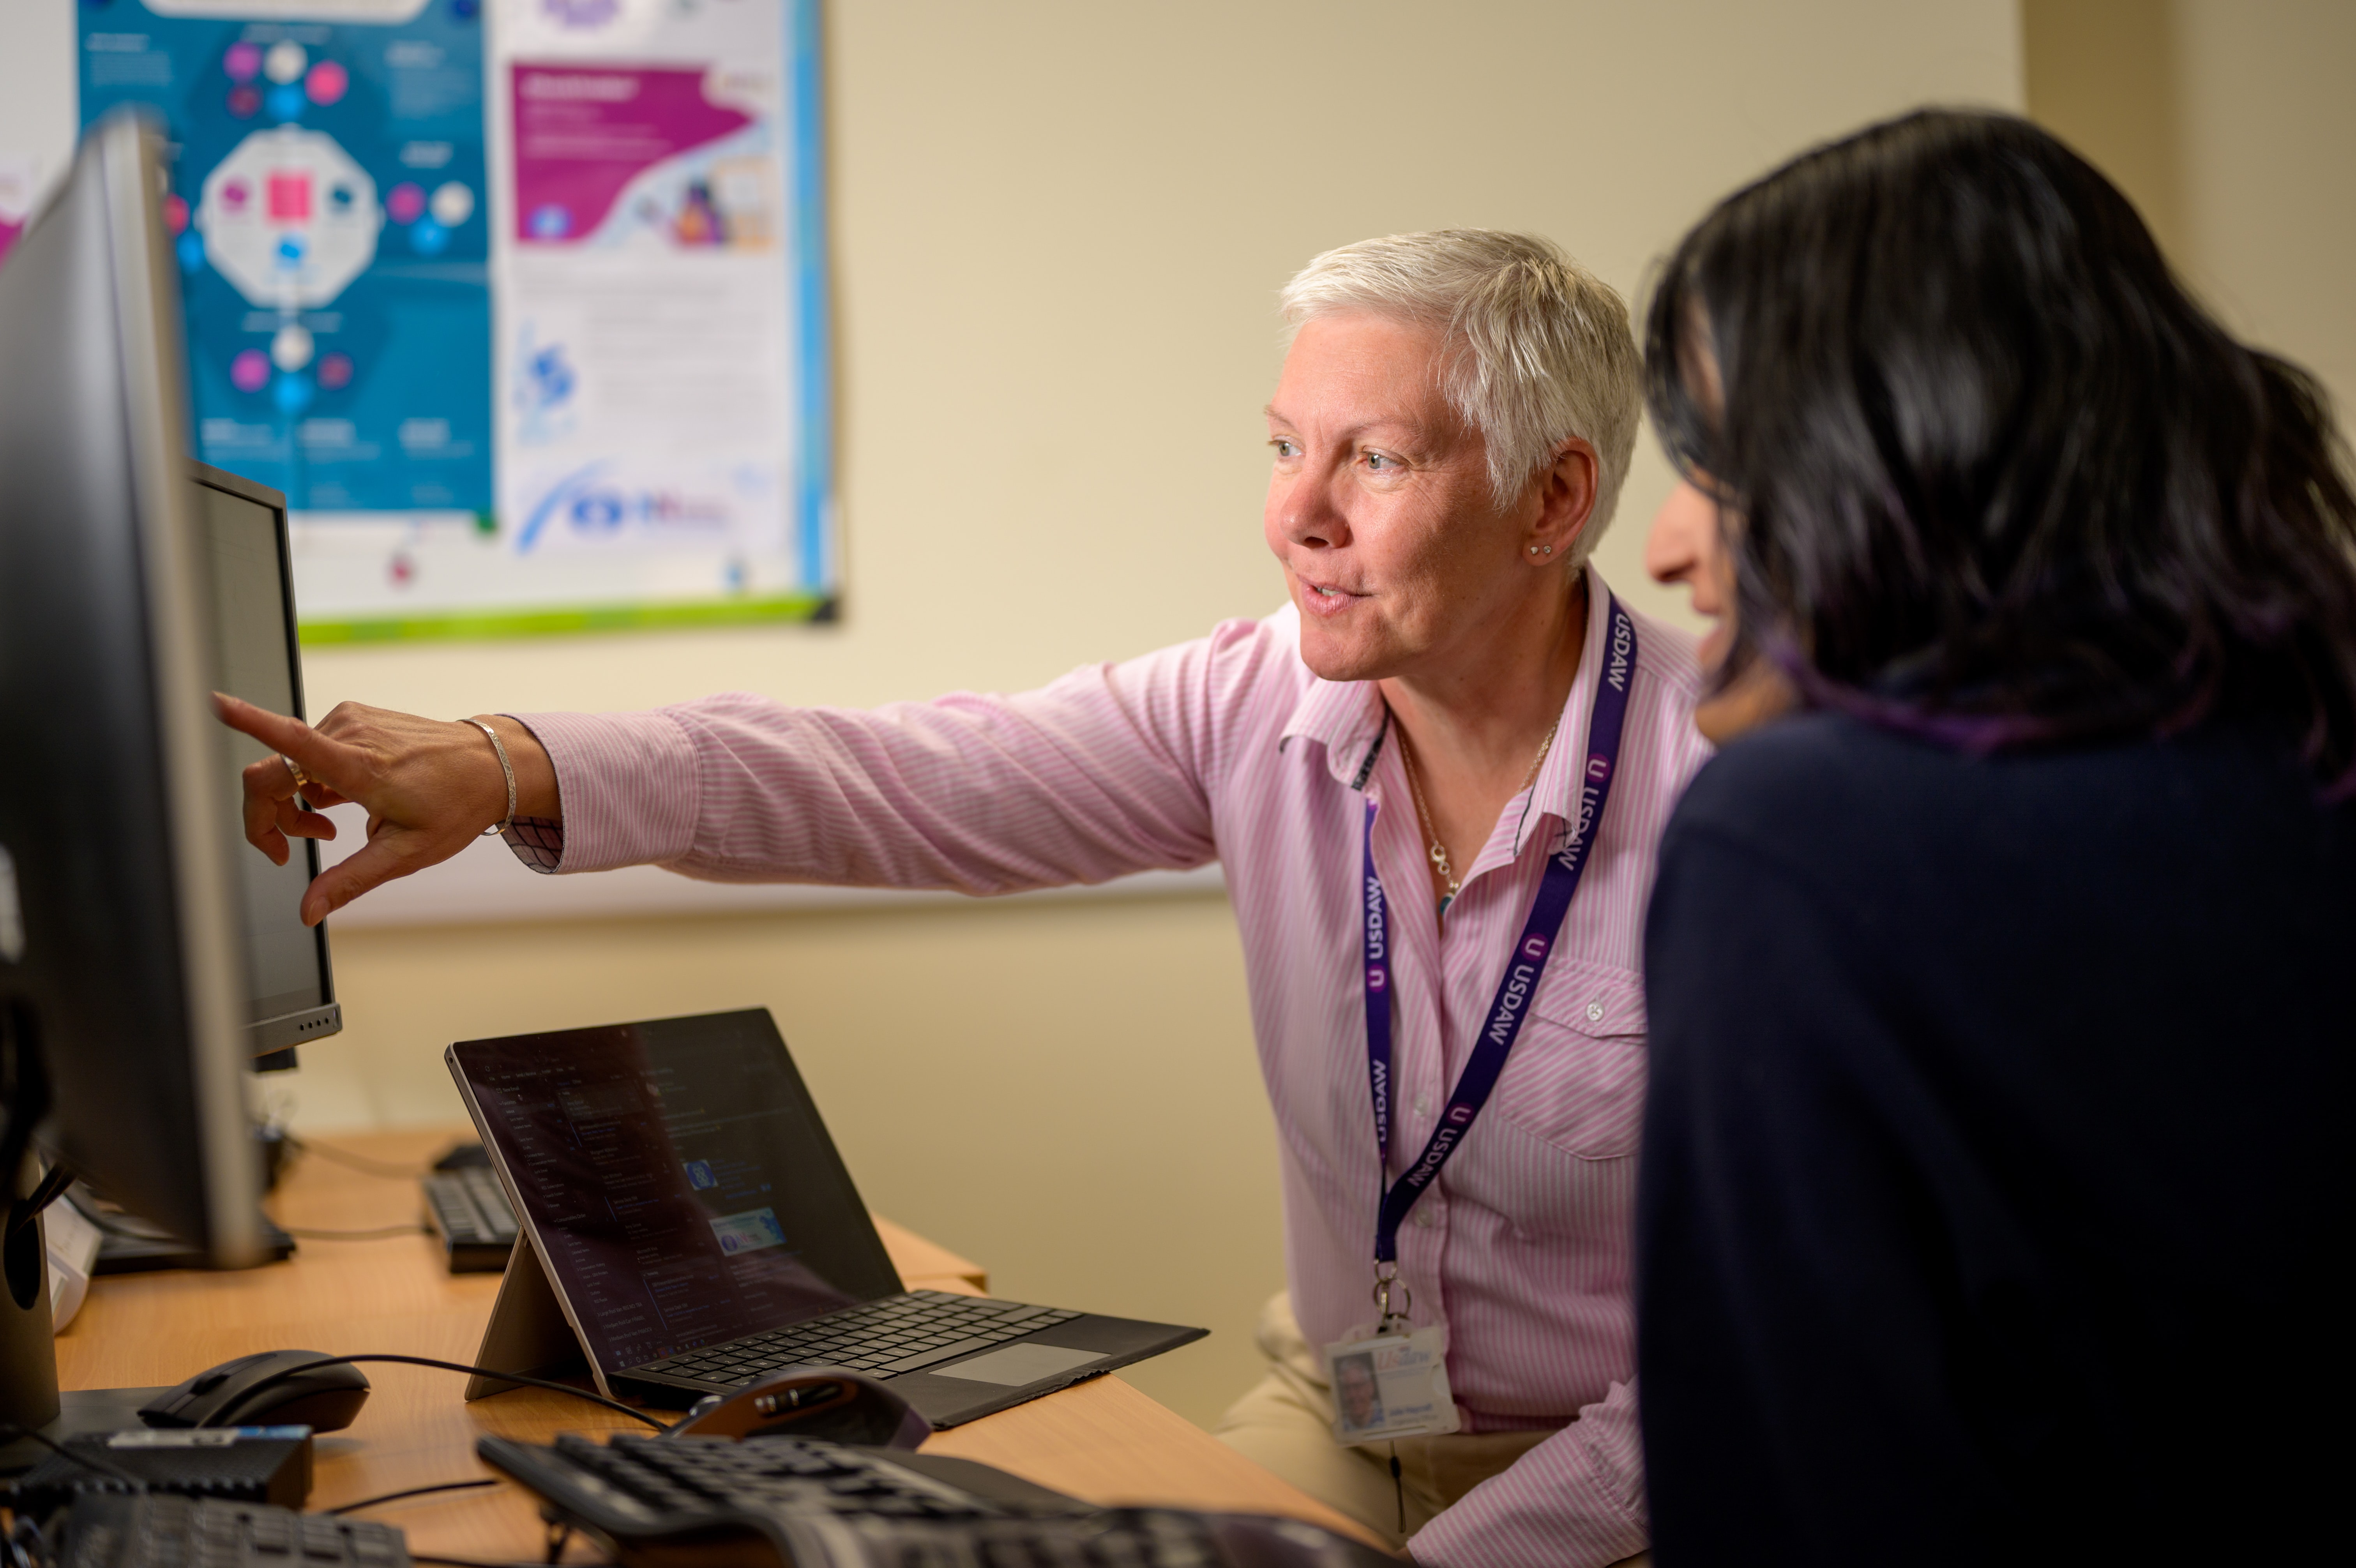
[1435,781]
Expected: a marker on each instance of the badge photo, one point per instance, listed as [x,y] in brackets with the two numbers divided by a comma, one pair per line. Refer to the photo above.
[1391,1385]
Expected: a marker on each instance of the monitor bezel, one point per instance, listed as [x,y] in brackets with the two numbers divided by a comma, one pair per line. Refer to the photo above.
[271,1036]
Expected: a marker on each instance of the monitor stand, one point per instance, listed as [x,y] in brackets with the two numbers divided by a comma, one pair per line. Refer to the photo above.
[82,1413]
[129,1245]
[28,1348]
[28,1365]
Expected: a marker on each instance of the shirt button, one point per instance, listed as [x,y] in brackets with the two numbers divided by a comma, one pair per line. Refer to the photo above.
[1595,1012]
[1423,1105]
[1423,1216]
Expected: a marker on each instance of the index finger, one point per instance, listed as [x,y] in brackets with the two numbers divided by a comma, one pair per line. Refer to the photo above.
[269,784]
[319,757]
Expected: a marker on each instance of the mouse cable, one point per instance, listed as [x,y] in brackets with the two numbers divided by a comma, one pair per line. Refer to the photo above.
[87,1461]
[412,1492]
[283,1374]
[358,1162]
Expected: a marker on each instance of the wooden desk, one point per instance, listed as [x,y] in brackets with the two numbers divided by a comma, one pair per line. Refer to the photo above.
[1101,1440]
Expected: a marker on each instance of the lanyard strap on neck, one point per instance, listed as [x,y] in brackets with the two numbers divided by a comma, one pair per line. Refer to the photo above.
[1523,968]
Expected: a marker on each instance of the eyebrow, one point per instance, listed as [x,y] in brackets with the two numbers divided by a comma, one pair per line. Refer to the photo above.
[1413,441]
[1269,411]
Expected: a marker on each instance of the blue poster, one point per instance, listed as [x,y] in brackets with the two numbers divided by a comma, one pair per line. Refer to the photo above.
[327,203]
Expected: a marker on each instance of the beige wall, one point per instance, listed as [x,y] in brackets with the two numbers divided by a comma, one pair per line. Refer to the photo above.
[1059,229]
[2232,125]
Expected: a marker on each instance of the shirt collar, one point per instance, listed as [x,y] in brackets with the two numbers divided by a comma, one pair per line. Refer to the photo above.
[1349,719]
[1555,792]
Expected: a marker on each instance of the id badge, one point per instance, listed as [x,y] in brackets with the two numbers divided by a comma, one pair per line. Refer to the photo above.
[1391,1385]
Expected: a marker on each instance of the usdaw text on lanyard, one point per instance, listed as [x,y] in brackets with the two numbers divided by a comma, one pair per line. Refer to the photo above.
[1390,1379]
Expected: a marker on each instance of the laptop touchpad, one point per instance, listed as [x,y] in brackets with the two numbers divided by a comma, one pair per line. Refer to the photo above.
[1018,1364]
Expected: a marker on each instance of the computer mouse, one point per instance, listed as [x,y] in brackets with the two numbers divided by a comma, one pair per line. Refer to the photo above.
[324,1399]
[809,1401]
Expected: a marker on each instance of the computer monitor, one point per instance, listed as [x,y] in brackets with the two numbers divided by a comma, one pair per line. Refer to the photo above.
[126,1017]
[290,985]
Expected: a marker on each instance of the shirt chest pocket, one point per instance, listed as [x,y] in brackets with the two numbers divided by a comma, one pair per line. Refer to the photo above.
[1575,1079]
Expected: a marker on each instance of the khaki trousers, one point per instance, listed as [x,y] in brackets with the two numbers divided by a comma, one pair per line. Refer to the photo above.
[1286,1423]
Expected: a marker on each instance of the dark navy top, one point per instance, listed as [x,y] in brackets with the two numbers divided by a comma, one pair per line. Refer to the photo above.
[1997,1183]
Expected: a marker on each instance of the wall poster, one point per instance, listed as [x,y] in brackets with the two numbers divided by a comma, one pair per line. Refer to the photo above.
[522,303]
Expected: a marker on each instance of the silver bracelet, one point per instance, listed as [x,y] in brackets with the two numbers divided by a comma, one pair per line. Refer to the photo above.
[501,747]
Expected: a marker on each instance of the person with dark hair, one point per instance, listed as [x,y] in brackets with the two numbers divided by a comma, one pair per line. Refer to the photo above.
[1997,1173]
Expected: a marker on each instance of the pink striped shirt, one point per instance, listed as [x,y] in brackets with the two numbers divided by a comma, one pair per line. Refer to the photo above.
[1229,749]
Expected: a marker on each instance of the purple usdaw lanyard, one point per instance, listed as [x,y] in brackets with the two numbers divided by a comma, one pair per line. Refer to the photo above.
[1528,962]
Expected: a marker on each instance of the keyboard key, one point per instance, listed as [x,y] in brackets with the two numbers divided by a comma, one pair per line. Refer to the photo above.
[939,1353]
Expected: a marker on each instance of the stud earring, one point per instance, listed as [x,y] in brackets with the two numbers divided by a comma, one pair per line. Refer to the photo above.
[1534,549]
[1549,549]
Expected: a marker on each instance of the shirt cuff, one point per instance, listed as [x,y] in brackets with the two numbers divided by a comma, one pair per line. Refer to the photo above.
[1561,1504]
[538,842]
[626,790]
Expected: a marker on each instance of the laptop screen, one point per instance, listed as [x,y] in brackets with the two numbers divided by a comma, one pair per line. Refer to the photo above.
[682,1186]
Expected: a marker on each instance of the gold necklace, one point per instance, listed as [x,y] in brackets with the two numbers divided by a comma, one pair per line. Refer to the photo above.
[1423,812]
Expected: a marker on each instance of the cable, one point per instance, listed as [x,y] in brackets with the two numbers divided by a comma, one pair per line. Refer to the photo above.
[361,1162]
[111,1226]
[284,1373]
[50,1187]
[412,1492]
[87,1461]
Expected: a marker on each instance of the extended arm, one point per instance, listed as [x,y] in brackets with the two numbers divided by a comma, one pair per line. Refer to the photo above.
[1106,771]
[1091,777]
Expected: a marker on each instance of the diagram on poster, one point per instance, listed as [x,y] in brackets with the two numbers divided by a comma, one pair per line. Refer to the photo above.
[521,302]
[328,212]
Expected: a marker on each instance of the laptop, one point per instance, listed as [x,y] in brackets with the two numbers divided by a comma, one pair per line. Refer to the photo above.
[687,1229]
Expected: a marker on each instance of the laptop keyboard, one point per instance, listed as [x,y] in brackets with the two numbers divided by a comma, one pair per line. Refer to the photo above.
[881,1339]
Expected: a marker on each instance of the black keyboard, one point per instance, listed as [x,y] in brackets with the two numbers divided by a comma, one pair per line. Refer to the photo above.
[881,1339]
[111,1531]
[471,1212]
[825,1504]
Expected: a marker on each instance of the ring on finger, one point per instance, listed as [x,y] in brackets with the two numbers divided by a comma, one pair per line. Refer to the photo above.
[302,780]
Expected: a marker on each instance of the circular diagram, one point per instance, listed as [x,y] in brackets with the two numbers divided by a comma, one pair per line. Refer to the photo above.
[289,219]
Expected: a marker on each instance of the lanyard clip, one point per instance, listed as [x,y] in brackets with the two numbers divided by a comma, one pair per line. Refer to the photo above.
[1386,1279]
